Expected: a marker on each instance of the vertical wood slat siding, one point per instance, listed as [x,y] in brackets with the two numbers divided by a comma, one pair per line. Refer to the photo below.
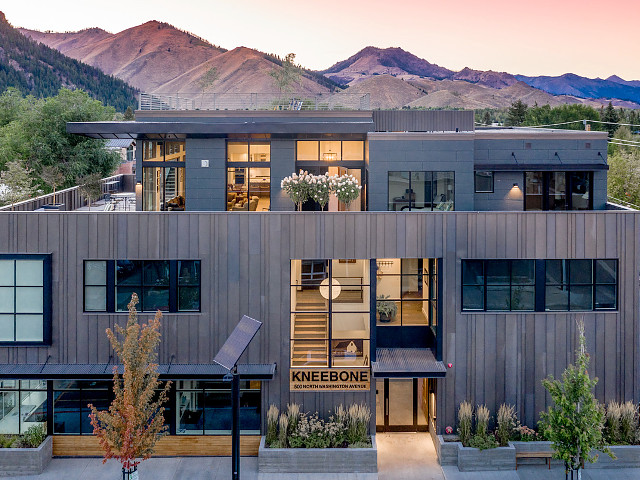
[245,270]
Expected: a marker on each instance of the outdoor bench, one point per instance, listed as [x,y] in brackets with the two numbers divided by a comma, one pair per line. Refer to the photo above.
[546,455]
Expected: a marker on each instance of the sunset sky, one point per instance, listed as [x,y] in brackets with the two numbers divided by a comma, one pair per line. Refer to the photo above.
[541,37]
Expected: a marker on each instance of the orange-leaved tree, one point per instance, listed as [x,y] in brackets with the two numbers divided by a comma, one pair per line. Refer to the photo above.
[129,429]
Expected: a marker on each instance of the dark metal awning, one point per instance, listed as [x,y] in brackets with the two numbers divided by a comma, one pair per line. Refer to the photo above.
[104,371]
[407,363]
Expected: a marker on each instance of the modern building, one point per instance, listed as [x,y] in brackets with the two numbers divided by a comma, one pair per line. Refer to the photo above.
[485,245]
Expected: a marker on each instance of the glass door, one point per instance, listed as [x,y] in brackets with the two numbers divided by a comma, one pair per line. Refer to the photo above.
[400,406]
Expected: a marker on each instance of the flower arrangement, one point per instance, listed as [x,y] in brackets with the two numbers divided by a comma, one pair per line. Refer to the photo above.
[304,186]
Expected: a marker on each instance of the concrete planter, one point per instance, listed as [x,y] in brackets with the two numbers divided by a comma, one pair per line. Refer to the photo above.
[524,447]
[628,456]
[318,460]
[26,461]
[474,460]
[447,451]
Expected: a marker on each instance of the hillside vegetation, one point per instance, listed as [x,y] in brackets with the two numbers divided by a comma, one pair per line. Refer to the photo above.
[38,70]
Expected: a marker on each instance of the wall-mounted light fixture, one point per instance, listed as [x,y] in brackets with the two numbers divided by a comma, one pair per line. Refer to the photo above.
[513,155]
[515,185]
[557,156]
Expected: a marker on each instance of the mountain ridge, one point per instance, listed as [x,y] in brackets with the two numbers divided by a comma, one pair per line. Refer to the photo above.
[159,58]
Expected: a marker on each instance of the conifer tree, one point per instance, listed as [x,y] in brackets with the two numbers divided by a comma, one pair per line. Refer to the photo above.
[129,429]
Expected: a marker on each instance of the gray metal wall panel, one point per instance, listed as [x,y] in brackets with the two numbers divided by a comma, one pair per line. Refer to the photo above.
[423,120]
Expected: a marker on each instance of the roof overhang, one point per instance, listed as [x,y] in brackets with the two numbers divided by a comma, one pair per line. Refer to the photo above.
[540,167]
[104,371]
[132,130]
[407,363]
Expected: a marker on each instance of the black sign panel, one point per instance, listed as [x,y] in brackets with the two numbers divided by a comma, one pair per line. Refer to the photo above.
[237,342]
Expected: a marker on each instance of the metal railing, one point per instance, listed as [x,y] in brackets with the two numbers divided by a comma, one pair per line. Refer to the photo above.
[254,101]
[70,199]
[616,202]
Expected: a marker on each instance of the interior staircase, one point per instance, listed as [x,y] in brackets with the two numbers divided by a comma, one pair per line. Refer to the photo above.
[310,330]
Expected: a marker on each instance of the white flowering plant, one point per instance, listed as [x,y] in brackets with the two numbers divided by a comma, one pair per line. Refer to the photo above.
[304,186]
[297,186]
[346,188]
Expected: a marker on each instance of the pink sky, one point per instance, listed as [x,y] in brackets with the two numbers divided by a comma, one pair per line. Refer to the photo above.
[541,37]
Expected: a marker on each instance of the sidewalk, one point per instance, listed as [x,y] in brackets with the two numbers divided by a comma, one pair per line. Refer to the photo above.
[540,472]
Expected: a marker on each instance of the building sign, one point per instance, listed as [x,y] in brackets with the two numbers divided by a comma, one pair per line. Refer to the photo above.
[329,379]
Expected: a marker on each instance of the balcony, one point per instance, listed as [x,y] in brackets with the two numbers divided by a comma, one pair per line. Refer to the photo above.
[254,101]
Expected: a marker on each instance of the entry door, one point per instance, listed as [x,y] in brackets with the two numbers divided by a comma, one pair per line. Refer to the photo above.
[399,405]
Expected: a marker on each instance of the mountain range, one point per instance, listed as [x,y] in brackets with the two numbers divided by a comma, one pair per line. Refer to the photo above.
[159,58]
[41,71]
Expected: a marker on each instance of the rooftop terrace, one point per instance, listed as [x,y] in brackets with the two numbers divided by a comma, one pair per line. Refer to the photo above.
[254,101]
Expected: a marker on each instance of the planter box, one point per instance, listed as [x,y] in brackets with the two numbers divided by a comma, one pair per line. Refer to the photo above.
[447,451]
[26,461]
[628,456]
[318,460]
[474,460]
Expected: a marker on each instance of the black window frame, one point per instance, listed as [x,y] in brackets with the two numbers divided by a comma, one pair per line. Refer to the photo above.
[164,164]
[173,286]
[410,203]
[245,166]
[570,176]
[47,296]
[475,181]
[541,284]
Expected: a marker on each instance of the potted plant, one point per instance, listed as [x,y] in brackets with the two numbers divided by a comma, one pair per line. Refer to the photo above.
[386,309]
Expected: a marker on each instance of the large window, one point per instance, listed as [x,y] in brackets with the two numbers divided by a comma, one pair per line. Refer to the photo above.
[70,404]
[25,299]
[166,285]
[330,313]
[23,404]
[421,191]
[204,408]
[163,175]
[248,176]
[580,285]
[539,285]
[558,191]
[406,292]
[498,285]
[329,150]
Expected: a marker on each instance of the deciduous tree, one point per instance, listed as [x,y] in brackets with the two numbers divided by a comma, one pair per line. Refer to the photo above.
[575,420]
[129,430]
[288,76]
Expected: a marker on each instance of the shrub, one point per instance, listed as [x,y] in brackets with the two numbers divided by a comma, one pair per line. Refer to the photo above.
[465,413]
[506,424]
[6,441]
[272,425]
[612,423]
[628,423]
[483,442]
[526,434]
[34,436]
[482,420]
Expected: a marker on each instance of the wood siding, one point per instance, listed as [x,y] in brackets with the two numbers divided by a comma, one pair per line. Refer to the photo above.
[169,446]
[245,270]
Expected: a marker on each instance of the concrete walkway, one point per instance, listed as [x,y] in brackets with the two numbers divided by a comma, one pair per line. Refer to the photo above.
[407,456]
[540,472]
